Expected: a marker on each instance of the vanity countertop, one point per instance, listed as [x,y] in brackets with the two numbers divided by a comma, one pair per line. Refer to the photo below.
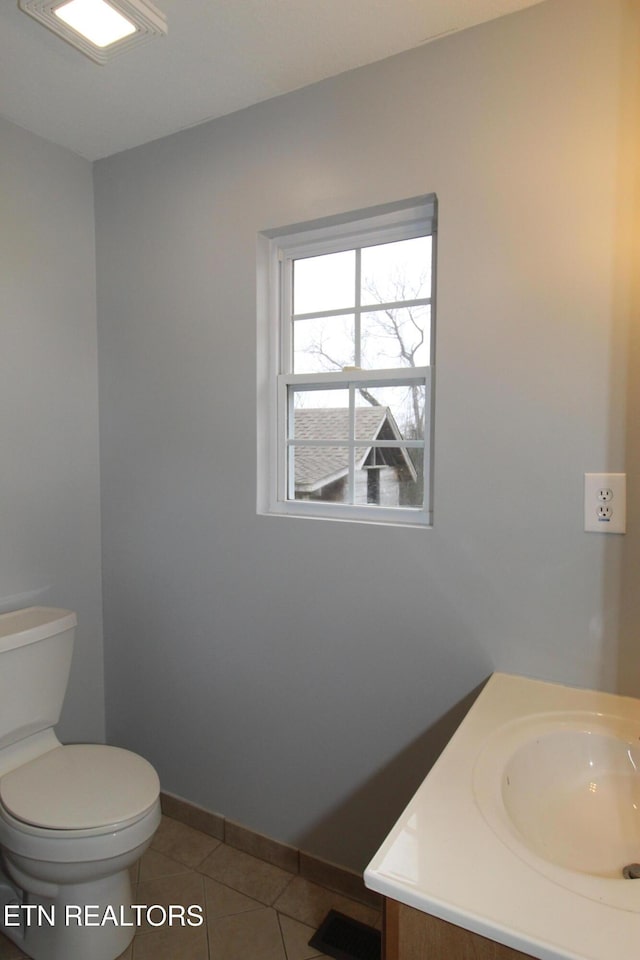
[443,857]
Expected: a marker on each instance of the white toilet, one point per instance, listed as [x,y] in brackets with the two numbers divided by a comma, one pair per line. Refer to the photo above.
[73,819]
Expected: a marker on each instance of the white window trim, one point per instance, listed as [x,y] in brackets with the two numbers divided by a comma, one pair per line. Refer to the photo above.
[393,221]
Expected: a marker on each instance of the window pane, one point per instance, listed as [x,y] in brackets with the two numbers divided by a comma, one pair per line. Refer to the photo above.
[320,414]
[323,343]
[411,484]
[389,477]
[319,473]
[324,283]
[384,412]
[396,271]
[396,338]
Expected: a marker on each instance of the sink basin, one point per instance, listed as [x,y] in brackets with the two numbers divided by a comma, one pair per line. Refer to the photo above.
[562,790]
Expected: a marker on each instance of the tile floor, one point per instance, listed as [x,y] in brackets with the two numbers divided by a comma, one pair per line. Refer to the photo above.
[253,910]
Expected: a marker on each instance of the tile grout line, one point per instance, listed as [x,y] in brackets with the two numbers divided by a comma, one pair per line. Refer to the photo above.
[206,914]
[282,940]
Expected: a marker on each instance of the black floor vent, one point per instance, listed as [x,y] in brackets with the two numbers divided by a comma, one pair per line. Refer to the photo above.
[346,939]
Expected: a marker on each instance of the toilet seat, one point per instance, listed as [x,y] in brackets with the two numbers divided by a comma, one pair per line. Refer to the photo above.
[80,787]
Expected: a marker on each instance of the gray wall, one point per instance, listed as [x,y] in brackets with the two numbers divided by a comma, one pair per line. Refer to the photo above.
[49,479]
[300,676]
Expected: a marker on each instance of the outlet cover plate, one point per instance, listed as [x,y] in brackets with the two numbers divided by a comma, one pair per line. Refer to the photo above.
[605,502]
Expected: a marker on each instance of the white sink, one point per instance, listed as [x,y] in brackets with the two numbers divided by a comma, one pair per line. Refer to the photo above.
[522,828]
[562,790]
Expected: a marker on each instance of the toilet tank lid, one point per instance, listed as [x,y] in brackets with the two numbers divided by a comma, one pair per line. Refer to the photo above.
[80,786]
[19,627]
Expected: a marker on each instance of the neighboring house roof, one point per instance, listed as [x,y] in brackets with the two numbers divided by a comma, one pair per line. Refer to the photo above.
[318,466]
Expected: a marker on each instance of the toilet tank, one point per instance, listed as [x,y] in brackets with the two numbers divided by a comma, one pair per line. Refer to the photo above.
[36,645]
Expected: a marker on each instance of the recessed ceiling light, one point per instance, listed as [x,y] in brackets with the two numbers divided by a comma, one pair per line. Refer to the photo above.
[99,28]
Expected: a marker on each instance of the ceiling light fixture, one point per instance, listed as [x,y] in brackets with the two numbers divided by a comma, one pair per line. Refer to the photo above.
[99,28]
[97,21]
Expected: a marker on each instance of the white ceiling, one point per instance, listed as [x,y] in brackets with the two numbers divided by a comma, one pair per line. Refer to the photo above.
[219,56]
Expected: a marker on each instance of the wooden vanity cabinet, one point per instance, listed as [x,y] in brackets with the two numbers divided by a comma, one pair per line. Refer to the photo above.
[409,934]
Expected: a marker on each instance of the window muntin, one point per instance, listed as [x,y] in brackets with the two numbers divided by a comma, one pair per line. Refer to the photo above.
[355,353]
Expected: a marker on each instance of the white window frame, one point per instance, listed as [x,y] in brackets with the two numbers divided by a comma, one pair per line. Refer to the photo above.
[276,252]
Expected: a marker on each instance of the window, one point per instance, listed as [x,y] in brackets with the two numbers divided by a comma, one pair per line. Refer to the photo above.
[345,384]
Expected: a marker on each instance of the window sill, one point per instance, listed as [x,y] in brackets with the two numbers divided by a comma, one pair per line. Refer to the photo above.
[399,518]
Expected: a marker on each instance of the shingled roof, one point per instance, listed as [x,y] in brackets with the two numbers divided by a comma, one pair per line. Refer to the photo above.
[318,466]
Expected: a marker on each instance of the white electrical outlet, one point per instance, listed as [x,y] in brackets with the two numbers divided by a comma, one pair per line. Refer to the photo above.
[605,502]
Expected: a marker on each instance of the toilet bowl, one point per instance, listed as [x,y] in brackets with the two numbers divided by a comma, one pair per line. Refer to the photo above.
[73,818]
